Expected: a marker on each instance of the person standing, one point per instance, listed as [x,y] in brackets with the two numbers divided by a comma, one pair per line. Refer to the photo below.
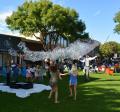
[8,71]
[32,69]
[23,70]
[42,72]
[47,67]
[86,61]
[28,74]
[37,72]
[54,75]
[16,73]
[73,80]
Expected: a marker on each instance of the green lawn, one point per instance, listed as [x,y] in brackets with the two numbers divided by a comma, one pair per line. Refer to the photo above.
[101,94]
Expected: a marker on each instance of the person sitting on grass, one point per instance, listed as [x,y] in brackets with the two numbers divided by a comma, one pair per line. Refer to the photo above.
[73,80]
[54,75]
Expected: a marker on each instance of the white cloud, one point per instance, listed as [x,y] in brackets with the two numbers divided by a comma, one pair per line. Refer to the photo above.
[97,13]
[60,2]
[5,30]
[3,15]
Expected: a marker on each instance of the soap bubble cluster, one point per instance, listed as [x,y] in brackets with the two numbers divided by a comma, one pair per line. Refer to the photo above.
[12,52]
[74,51]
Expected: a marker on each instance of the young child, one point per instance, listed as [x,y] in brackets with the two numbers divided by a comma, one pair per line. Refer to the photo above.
[37,72]
[54,75]
[28,74]
[73,80]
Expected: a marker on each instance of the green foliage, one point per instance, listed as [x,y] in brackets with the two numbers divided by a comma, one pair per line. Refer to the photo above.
[45,18]
[109,48]
[118,48]
[117,21]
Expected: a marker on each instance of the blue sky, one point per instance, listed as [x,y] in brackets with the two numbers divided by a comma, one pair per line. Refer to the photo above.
[97,14]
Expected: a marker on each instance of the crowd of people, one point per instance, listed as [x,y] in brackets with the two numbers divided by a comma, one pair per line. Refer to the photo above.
[29,72]
[53,70]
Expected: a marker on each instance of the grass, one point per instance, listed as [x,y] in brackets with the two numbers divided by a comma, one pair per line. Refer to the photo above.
[100,94]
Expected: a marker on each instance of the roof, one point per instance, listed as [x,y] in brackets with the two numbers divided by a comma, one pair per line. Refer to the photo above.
[9,41]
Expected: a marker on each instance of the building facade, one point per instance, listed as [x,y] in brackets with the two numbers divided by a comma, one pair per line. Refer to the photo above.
[8,42]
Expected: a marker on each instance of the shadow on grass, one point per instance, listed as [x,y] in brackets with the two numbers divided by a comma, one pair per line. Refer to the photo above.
[111,80]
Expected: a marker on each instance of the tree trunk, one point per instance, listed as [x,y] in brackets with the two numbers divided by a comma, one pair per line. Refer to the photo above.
[43,40]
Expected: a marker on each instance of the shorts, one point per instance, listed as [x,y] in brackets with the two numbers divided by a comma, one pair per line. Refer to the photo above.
[73,81]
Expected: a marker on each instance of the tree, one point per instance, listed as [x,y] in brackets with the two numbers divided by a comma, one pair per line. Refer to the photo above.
[117,21]
[118,48]
[108,49]
[43,18]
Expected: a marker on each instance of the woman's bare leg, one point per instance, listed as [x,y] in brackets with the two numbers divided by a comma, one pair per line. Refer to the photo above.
[50,94]
[75,92]
[56,95]
[70,87]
